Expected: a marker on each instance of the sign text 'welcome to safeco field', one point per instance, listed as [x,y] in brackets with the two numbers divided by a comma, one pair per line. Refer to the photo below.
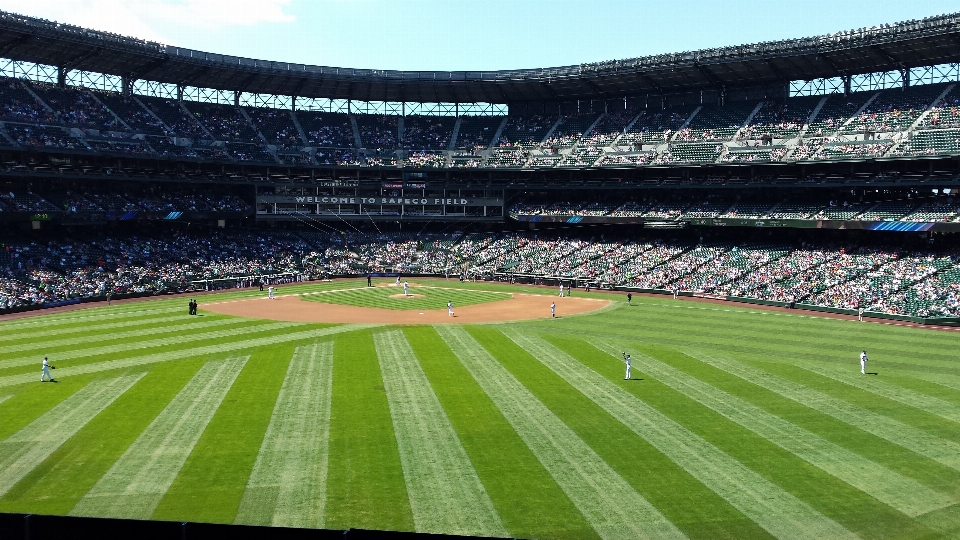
[414,201]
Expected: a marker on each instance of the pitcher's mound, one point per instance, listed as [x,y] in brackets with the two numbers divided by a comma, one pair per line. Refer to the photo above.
[411,295]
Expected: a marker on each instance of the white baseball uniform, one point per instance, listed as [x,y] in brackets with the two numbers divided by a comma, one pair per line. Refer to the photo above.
[863,362]
[270,292]
[45,372]
[627,360]
[449,309]
[406,289]
[553,309]
[561,290]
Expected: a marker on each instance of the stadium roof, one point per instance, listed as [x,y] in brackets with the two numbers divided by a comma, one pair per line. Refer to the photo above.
[931,41]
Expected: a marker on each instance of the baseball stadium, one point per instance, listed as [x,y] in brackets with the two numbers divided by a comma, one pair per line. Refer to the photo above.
[706,294]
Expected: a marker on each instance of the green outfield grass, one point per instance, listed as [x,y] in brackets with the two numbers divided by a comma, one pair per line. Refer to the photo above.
[421,297]
[738,422]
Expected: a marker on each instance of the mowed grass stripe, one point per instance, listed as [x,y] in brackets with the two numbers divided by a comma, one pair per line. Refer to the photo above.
[528,500]
[136,482]
[729,332]
[134,345]
[897,491]
[943,379]
[21,338]
[724,335]
[611,506]
[288,484]
[445,493]
[95,335]
[914,439]
[869,383]
[832,336]
[55,486]
[210,485]
[365,485]
[24,450]
[99,313]
[775,510]
[136,361]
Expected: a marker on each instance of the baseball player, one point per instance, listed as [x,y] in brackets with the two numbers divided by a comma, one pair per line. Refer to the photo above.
[863,362]
[450,309]
[629,299]
[553,309]
[626,360]
[860,314]
[406,289]
[561,290]
[270,292]
[45,371]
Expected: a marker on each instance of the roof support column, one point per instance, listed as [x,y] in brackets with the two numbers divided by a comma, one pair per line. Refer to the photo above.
[905,76]
[127,84]
[179,92]
[61,77]
[846,84]
[236,98]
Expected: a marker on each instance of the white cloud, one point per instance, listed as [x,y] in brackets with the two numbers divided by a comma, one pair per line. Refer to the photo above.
[154,20]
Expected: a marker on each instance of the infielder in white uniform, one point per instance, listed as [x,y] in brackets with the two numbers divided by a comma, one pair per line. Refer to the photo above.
[863,362]
[626,360]
[561,290]
[450,309]
[270,292]
[406,289]
[45,372]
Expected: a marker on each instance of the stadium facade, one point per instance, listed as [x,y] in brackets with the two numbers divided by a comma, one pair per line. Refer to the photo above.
[864,116]
[857,131]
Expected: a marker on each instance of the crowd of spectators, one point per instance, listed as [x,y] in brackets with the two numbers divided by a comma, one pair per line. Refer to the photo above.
[884,280]
[125,198]
[40,115]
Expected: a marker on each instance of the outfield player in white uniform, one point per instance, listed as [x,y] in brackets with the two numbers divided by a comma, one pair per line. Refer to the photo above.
[406,289]
[450,309]
[45,371]
[863,362]
[626,360]
[270,292]
[553,309]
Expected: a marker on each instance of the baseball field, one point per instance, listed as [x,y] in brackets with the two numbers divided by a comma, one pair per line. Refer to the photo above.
[738,422]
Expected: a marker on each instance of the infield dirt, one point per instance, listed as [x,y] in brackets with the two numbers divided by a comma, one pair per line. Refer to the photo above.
[518,308]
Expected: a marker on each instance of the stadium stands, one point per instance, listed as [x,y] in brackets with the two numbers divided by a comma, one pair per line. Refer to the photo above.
[916,121]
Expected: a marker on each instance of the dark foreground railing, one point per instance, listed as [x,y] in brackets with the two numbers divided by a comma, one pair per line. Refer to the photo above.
[41,527]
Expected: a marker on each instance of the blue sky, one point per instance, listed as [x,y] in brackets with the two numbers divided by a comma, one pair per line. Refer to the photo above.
[467,35]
